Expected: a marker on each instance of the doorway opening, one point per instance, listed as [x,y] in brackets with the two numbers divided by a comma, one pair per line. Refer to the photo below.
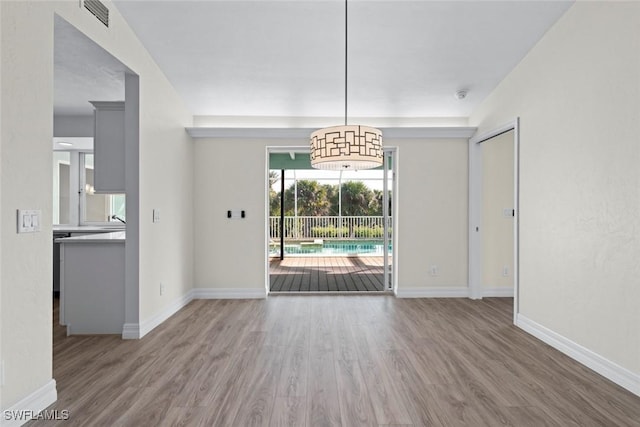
[494,214]
[328,231]
[83,203]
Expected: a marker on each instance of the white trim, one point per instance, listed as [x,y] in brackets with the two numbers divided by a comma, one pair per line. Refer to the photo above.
[435,292]
[388,269]
[131,331]
[395,210]
[497,291]
[137,331]
[475,211]
[34,403]
[148,325]
[229,293]
[605,367]
[495,132]
[304,133]
[516,219]
[395,218]
[267,237]
[475,221]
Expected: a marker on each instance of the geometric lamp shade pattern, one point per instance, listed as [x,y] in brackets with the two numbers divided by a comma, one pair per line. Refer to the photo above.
[350,147]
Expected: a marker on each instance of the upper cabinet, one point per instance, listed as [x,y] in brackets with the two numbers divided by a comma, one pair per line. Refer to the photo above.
[109,147]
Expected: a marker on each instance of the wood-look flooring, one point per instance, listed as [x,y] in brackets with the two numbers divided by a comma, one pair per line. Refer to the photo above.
[350,360]
[326,274]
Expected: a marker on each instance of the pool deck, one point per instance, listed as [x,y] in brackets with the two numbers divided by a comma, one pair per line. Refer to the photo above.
[326,274]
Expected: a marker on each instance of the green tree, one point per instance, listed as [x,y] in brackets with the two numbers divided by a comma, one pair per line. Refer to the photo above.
[316,199]
[274,196]
[332,196]
[357,199]
[312,199]
[375,209]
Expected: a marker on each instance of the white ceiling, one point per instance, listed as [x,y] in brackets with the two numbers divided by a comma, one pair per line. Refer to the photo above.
[83,72]
[286,58]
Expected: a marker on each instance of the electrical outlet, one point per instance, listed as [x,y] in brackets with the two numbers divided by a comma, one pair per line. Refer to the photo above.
[505,270]
[156,215]
[433,270]
[161,288]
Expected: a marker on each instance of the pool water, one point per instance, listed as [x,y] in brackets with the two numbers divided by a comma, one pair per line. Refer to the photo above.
[333,247]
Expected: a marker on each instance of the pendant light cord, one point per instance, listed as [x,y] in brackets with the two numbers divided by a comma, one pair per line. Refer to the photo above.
[346,68]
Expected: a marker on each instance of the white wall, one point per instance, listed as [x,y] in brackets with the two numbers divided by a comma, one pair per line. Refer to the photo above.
[432,213]
[166,183]
[165,175]
[1,203]
[497,195]
[578,96]
[26,182]
[230,174]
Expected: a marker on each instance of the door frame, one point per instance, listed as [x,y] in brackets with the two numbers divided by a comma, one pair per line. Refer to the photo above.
[475,211]
[394,212]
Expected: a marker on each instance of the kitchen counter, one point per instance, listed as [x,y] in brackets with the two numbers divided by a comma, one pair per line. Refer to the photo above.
[92,282]
[87,228]
[65,231]
[113,237]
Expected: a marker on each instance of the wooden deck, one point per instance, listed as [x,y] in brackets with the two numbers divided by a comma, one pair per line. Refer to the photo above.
[326,274]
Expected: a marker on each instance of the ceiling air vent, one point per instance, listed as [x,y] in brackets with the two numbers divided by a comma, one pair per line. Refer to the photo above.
[98,9]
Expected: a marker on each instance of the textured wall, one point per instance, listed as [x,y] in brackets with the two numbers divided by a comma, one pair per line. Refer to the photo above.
[578,97]
[26,259]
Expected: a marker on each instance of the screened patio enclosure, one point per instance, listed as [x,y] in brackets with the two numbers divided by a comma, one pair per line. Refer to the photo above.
[328,230]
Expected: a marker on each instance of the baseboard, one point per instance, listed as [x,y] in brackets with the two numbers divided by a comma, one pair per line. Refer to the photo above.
[30,406]
[150,324]
[439,292]
[229,293]
[608,369]
[498,291]
[131,331]
[134,331]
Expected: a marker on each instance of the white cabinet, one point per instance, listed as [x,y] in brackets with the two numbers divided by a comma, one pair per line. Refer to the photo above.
[109,147]
[92,283]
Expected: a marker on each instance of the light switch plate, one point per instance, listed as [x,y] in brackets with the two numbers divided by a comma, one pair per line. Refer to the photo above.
[28,220]
[236,214]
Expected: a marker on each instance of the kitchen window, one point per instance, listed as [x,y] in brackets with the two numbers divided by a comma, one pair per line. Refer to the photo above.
[75,201]
[61,187]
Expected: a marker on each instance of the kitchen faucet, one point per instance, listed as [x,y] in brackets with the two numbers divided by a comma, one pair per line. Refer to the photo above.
[118,218]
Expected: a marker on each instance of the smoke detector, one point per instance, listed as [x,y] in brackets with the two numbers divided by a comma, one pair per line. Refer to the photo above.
[461,94]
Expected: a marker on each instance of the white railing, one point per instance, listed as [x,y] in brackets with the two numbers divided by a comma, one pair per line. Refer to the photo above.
[325,227]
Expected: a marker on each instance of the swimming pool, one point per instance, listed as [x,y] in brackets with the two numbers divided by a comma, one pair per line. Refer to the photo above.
[331,247]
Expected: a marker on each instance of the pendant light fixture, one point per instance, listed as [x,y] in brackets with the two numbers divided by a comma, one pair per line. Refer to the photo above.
[348,147]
